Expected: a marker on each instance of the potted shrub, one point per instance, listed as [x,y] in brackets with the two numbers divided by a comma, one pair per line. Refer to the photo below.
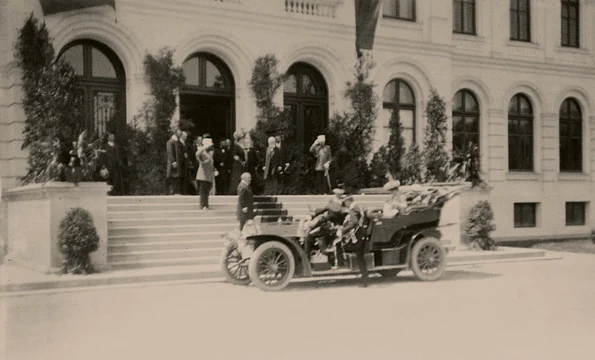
[77,239]
[479,227]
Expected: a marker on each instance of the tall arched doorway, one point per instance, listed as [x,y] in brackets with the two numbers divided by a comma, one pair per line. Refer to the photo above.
[306,96]
[101,84]
[207,97]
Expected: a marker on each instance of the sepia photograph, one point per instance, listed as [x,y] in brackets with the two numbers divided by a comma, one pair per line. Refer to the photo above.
[297,179]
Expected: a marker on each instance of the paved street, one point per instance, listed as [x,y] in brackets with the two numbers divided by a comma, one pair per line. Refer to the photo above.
[532,310]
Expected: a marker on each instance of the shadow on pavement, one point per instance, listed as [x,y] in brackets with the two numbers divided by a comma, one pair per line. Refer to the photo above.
[377,281]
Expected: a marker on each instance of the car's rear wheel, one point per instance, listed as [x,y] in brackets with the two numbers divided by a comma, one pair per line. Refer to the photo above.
[389,272]
[428,259]
[234,267]
[271,266]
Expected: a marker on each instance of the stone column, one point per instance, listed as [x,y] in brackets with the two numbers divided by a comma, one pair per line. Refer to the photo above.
[497,128]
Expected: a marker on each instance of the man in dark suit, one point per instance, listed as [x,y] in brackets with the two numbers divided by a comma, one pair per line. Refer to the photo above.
[184,179]
[222,165]
[251,159]
[271,168]
[113,163]
[283,162]
[353,239]
[174,163]
[245,211]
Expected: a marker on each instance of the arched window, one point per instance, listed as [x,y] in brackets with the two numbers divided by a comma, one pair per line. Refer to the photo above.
[207,99]
[571,136]
[101,85]
[305,95]
[465,120]
[520,134]
[398,95]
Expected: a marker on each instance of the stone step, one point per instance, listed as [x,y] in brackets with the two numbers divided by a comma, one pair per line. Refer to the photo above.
[169,207]
[211,220]
[166,230]
[274,218]
[270,212]
[168,199]
[124,246]
[187,261]
[267,205]
[169,214]
[127,257]
[174,237]
[183,199]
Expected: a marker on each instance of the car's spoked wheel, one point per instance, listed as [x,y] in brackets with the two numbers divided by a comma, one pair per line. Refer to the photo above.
[234,266]
[428,259]
[271,266]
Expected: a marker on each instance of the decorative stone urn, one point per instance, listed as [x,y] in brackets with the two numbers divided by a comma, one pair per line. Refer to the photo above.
[32,219]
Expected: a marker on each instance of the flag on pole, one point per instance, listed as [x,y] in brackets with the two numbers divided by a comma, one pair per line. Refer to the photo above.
[57,6]
[366,19]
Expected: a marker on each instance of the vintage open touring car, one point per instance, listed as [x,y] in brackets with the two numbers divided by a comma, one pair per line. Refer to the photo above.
[409,240]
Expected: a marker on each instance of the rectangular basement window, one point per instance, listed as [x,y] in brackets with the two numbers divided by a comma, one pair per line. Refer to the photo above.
[525,215]
[575,213]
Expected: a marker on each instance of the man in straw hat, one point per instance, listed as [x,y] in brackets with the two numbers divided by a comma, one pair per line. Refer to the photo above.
[206,172]
[334,215]
[323,162]
[354,240]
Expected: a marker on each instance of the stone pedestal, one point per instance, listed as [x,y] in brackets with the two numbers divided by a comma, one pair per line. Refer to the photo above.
[33,214]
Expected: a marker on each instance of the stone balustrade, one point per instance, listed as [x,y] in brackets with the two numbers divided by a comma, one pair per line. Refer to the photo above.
[323,8]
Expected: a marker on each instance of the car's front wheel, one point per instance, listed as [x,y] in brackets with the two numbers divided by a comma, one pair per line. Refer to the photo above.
[234,267]
[428,259]
[271,266]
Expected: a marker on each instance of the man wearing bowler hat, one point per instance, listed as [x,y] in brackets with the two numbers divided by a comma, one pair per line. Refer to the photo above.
[323,162]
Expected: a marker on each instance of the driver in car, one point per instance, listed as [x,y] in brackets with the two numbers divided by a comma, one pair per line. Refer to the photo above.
[398,201]
[334,215]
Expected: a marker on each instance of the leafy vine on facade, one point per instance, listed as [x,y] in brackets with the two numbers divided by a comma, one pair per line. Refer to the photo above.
[152,126]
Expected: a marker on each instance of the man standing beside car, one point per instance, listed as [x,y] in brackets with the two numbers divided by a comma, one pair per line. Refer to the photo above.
[245,211]
[354,242]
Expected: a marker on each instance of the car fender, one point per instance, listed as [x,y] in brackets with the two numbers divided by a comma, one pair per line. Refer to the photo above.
[432,232]
[302,265]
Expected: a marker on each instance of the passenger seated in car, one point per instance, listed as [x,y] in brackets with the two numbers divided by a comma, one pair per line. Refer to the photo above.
[398,201]
[334,213]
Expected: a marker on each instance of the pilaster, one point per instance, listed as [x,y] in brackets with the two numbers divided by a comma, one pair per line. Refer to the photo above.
[549,147]
[497,145]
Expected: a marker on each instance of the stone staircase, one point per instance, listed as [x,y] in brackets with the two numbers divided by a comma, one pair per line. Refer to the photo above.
[158,231]
[150,231]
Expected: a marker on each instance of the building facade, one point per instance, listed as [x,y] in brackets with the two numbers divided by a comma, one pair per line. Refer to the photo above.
[518,77]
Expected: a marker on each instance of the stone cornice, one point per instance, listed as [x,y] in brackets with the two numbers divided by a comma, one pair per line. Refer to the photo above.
[54,189]
[524,65]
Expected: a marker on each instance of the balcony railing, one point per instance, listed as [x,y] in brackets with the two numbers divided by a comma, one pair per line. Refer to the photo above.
[324,8]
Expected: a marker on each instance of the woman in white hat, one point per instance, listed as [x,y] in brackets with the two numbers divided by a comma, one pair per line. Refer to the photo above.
[397,202]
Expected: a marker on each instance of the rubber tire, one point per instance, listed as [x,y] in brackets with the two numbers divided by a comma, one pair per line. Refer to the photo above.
[253,266]
[414,259]
[389,272]
[228,276]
